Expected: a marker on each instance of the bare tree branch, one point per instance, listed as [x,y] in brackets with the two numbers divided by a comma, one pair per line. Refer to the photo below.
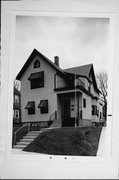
[102,79]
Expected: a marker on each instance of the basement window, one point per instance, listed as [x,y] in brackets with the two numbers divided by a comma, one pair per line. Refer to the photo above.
[37,80]
[30,107]
[43,105]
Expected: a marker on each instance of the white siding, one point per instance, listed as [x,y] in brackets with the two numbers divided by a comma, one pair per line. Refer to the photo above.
[46,92]
[87,111]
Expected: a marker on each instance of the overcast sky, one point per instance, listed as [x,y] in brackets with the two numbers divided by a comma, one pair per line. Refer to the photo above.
[77,41]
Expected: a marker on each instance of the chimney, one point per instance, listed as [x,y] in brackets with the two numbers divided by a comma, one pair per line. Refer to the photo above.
[56,60]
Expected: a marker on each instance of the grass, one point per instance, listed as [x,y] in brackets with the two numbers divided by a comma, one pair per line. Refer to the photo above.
[67,141]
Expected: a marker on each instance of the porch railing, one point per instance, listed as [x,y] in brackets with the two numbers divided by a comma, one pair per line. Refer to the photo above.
[78,82]
[20,133]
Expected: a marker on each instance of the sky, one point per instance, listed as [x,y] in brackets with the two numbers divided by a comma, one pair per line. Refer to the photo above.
[76,40]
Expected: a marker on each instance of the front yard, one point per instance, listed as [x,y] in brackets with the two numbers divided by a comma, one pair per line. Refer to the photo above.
[67,141]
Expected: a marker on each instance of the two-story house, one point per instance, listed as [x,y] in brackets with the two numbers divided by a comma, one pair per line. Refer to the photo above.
[70,96]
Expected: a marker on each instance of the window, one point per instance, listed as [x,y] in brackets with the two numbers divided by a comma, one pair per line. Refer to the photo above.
[16,114]
[36,80]
[100,115]
[30,107]
[94,110]
[16,99]
[97,113]
[84,102]
[43,105]
[37,64]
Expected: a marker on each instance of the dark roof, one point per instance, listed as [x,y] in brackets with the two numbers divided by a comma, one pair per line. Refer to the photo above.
[84,71]
[80,70]
[30,59]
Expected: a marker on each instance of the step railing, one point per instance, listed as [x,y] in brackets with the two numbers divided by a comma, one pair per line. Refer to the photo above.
[20,133]
[52,118]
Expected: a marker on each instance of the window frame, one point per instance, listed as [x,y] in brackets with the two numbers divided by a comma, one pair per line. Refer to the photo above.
[44,110]
[16,110]
[36,64]
[38,82]
[94,111]
[84,103]
[31,111]
[16,99]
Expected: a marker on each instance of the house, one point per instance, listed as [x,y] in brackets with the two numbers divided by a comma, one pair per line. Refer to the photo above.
[16,106]
[69,97]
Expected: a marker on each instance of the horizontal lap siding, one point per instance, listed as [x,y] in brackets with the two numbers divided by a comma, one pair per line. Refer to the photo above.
[86,112]
[46,92]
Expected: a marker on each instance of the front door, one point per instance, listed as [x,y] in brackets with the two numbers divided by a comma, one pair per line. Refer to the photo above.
[66,112]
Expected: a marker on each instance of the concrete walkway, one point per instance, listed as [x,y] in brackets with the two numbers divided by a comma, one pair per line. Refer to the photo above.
[102,143]
[101,148]
[19,151]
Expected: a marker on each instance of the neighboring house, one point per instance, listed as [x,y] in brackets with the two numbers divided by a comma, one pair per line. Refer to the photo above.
[47,89]
[16,107]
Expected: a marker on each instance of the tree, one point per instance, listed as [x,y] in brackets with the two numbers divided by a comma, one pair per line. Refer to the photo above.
[102,79]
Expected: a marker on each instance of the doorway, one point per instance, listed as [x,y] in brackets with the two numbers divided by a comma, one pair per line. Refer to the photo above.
[67,121]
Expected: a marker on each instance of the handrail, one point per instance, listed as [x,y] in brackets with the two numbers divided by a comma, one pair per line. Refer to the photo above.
[54,115]
[15,133]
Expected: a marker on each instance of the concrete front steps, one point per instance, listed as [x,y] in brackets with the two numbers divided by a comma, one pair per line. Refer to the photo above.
[26,140]
[56,123]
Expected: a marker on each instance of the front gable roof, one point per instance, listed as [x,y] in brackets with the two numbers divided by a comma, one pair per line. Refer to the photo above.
[84,71]
[80,70]
[30,59]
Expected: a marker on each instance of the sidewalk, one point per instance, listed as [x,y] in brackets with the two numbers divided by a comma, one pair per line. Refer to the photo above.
[102,143]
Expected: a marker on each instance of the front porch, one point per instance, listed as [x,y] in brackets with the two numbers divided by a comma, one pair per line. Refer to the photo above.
[70,109]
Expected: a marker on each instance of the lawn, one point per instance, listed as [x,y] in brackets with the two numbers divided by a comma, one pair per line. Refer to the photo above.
[67,141]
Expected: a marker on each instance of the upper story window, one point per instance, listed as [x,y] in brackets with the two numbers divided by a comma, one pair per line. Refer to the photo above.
[37,64]
[37,80]
[16,99]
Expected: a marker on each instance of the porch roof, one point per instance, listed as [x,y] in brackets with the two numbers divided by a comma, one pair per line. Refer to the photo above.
[66,90]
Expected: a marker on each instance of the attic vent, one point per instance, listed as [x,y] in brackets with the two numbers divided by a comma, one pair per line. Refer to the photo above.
[37,64]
